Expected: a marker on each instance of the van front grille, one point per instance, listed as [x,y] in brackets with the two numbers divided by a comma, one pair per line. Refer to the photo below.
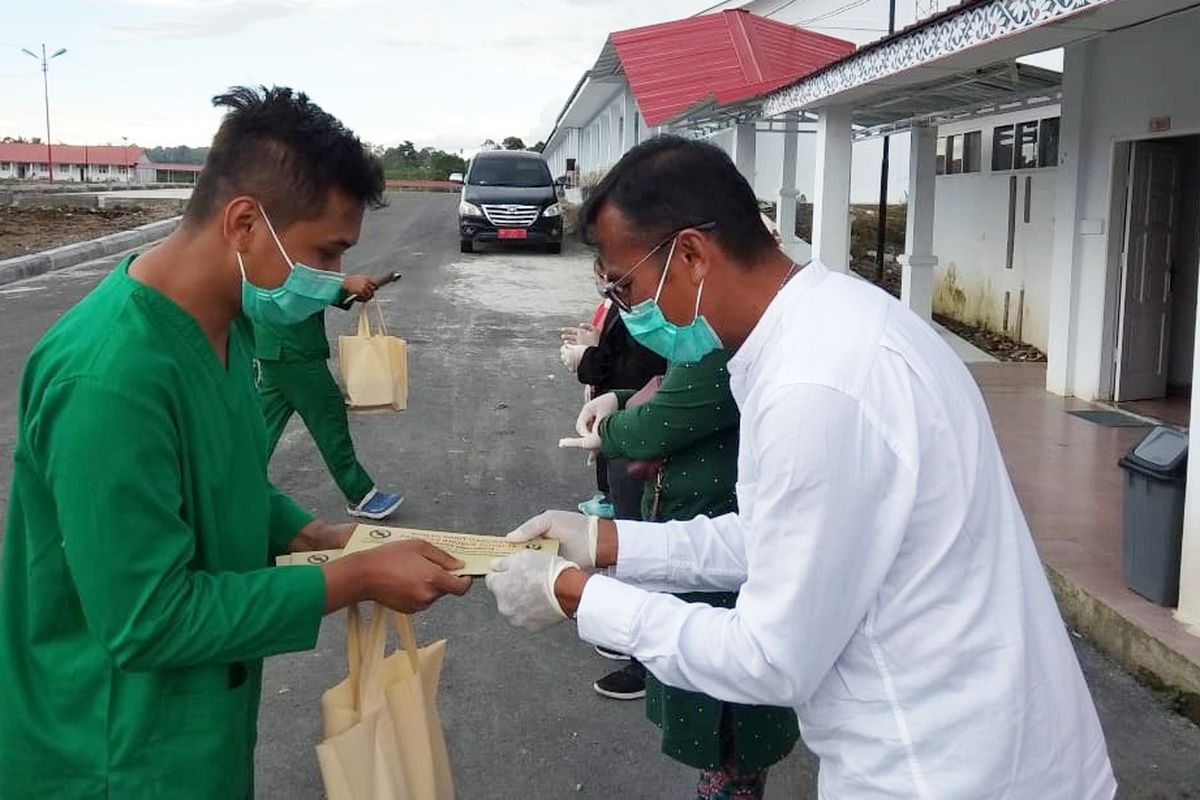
[509,216]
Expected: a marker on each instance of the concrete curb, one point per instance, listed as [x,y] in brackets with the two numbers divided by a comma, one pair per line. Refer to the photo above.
[1142,655]
[21,267]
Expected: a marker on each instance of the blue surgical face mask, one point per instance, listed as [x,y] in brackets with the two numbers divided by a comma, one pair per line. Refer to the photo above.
[678,344]
[305,292]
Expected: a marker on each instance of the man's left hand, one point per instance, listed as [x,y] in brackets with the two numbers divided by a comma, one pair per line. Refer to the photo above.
[318,535]
[523,585]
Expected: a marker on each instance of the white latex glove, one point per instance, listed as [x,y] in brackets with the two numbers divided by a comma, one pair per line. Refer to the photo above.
[594,411]
[571,355]
[523,585]
[586,334]
[575,532]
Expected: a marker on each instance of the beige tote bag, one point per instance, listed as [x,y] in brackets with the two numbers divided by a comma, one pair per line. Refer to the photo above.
[383,736]
[373,366]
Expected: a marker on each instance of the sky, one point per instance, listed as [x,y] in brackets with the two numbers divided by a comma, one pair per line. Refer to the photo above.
[446,74]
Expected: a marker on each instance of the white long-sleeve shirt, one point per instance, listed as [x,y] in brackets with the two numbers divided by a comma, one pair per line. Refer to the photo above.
[889,587]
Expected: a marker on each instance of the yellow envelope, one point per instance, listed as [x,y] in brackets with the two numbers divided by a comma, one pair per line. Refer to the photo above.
[475,551]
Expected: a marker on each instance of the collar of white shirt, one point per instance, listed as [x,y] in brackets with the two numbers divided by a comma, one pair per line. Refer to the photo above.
[761,335]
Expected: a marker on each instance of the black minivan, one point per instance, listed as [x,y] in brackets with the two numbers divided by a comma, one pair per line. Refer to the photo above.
[509,196]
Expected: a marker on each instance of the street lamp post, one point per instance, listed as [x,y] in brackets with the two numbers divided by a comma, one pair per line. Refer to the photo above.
[125,157]
[46,90]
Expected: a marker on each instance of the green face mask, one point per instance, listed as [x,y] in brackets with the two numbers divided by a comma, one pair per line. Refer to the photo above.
[305,292]
[678,344]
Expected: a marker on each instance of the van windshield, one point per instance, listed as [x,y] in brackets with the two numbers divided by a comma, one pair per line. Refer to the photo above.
[521,172]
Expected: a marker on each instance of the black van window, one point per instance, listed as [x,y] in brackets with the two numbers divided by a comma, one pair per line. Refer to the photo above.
[523,172]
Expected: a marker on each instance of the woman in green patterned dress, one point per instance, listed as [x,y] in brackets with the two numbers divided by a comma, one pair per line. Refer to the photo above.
[688,431]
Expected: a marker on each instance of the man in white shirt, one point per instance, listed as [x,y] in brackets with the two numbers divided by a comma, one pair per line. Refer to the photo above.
[889,587]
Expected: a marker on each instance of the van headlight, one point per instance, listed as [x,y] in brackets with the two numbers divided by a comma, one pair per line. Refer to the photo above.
[552,210]
[466,209]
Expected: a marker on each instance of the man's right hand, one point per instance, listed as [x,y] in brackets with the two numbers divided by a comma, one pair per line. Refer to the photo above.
[404,576]
[362,287]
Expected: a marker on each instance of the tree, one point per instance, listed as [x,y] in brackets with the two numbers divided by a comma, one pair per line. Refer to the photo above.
[489,144]
[180,154]
[406,162]
[513,143]
[539,147]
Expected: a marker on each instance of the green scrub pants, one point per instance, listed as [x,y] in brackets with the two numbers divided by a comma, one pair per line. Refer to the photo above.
[307,388]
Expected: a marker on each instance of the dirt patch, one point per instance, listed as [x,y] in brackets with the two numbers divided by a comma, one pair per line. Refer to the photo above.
[32,230]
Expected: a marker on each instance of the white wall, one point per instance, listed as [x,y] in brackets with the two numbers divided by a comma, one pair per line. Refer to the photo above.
[970,239]
[1132,76]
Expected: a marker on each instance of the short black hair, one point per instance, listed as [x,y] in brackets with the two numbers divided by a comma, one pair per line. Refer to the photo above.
[283,149]
[668,183]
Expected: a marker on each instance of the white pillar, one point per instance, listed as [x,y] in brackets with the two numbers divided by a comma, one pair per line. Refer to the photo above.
[831,189]
[744,150]
[918,260]
[785,210]
[1189,572]
[629,125]
[1069,186]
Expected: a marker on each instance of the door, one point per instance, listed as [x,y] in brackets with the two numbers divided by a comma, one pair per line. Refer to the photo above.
[1144,334]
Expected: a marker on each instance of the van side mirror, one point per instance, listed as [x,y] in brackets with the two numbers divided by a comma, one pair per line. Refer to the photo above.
[456,177]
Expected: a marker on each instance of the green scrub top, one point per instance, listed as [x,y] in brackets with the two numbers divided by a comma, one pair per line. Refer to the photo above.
[136,602]
[304,341]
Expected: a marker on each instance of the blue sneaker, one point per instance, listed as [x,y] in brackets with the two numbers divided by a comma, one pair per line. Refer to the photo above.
[597,506]
[376,505]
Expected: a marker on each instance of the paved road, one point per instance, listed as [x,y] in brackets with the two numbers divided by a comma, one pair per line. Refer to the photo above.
[475,453]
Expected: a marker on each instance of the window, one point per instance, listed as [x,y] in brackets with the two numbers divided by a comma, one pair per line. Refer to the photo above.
[1002,148]
[972,151]
[960,154]
[519,171]
[1048,143]
[103,169]
[1027,145]
[953,155]
[4,165]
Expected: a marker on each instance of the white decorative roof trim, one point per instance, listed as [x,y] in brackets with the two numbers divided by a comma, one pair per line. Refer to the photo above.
[953,34]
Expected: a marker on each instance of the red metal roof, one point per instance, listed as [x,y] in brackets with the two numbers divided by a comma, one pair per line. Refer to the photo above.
[113,155]
[733,55]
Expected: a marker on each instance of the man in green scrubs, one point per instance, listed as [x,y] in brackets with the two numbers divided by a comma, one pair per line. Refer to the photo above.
[293,377]
[136,597]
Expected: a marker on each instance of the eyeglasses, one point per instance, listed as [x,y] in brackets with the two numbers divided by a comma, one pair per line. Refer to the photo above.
[614,290]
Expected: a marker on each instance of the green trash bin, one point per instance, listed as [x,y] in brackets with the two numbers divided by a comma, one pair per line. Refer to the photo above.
[1152,535]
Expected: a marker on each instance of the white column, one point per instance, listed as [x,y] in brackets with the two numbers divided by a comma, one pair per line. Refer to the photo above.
[785,210]
[744,150]
[831,189]
[629,113]
[1189,572]
[1064,269]
[918,260]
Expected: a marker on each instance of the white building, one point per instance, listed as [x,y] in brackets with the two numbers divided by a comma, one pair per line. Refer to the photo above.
[1125,243]
[1005,290]
[20,161]
[72,163]
[647,80]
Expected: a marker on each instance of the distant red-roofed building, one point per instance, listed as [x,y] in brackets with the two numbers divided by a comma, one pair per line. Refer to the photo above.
[24,161]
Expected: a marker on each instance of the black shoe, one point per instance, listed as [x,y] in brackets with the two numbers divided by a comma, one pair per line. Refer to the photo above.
[611,655]
[627,683]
